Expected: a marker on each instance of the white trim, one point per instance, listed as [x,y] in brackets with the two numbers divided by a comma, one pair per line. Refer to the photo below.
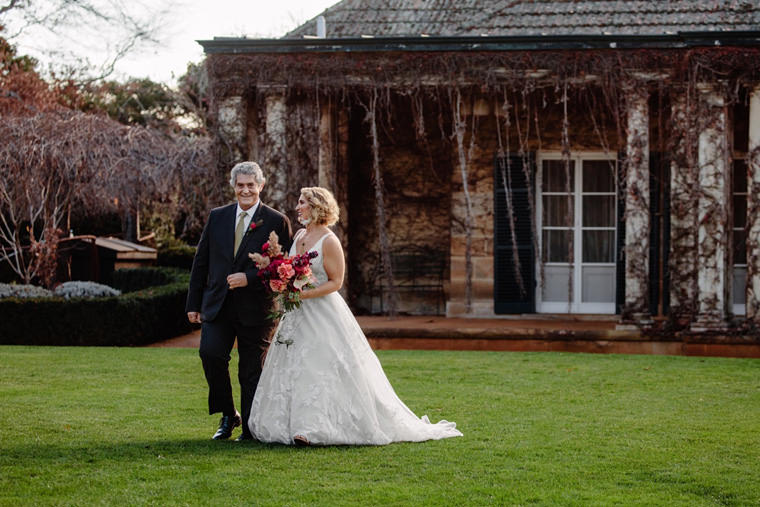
[739,309]
[576,306]
[558,307]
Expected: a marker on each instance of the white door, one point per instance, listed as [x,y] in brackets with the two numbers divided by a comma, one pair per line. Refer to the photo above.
[576,210]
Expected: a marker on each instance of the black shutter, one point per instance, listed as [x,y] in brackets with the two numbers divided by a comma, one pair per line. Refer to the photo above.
[620,253]
[509,296]
[659,232]
[666,237]
[654,231]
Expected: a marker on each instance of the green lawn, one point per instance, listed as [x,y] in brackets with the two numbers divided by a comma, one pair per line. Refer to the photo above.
[128,426]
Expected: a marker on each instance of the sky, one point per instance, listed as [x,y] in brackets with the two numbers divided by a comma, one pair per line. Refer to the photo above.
[192,20]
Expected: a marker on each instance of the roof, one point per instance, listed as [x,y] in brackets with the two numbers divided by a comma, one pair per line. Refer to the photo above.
[404,18]
[126,249]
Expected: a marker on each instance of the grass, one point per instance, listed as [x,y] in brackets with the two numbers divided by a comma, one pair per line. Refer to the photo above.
[82,426]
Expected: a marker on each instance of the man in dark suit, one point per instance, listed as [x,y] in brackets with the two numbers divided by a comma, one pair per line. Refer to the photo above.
[227,298]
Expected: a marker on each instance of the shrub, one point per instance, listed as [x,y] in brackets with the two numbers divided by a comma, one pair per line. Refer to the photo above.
[79,289]
[131,280]
[137,317]
[177,256]
[23,291]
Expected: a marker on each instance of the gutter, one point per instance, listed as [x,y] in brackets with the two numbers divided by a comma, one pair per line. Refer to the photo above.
[680,40]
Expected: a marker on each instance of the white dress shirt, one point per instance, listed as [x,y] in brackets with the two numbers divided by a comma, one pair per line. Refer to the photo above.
[249,214]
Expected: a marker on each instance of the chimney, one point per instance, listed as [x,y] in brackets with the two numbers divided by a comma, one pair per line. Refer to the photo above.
[321,27]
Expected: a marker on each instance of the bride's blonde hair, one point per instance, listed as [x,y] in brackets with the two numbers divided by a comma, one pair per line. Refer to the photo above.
[324,208]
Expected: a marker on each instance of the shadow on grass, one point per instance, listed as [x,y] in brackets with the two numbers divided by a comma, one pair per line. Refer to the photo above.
[140,450]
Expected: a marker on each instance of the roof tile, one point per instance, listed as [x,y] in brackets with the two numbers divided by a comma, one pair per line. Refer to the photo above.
[352,18]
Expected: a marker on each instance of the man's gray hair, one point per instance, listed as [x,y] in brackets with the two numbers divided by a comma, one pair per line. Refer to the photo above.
[247,168]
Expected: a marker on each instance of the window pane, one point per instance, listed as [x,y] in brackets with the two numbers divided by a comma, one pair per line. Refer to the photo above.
[740,286]
[598,176]
[554,177]
[598,284]
[556,286]
[740,247]
[558,211]
[740,175]
[598,246]
[556,246]
[740,210]
[599,211]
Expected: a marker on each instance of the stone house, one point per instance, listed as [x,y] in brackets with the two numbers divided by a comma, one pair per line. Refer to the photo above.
[490,158]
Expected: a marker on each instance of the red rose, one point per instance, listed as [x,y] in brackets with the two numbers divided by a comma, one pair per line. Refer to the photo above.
[265,247]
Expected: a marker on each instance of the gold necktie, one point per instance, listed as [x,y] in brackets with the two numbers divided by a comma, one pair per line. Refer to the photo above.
[240,231]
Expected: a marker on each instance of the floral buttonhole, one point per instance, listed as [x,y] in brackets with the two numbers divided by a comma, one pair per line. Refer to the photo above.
[253,225]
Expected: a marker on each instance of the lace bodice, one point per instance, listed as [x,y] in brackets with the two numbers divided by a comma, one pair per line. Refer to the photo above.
[317,263]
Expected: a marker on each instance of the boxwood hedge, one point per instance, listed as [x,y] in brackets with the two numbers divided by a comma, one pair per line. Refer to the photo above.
[178,256]
[151,308]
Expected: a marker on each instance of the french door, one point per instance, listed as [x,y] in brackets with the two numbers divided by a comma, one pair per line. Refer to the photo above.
[577,227]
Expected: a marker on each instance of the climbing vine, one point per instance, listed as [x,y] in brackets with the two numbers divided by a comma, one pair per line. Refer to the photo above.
[542,96]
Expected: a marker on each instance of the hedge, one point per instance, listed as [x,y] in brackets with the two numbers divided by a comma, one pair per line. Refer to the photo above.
[132,280]
[177,256]
[137,317]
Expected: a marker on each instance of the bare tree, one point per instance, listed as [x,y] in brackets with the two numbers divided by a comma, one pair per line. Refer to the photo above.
[60,31]
[50,163]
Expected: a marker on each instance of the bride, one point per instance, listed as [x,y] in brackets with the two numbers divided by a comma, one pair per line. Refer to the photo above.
[322,383]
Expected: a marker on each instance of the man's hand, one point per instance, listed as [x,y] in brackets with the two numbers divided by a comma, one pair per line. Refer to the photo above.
[236,280]
[194,317]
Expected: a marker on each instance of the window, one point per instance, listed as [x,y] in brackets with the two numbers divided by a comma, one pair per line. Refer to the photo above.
[739,194]
[577,216]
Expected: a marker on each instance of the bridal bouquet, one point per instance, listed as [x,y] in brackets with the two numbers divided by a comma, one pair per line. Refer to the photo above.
[283,276]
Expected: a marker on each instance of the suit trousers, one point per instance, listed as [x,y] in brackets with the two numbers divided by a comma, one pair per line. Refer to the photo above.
[217,339]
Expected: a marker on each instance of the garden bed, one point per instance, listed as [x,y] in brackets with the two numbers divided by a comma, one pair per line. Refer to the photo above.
[151,308]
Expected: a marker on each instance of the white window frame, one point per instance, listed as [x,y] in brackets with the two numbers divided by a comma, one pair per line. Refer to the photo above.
[738,309]
[576,305]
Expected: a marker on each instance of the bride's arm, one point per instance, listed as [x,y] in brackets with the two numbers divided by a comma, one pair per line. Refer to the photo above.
[334,264]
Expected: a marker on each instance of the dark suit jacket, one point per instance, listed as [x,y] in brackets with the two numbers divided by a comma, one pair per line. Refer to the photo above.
[214,262]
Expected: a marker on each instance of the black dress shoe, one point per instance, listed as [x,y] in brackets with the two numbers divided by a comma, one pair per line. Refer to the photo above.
[245,437]
[226,425]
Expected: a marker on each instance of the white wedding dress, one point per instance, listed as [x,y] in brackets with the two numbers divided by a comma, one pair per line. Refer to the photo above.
[321,380]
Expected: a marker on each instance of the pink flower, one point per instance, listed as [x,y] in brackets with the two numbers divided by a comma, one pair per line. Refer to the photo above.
[277,285]
[260,261]
[285,271]
[265,247]
[300,282]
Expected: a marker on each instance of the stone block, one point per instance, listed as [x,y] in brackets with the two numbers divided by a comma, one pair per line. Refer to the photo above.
[483,267]
[455,308]
[482,289]
[458,244]
[456,288]
[458,268]
[480,308]
[481,245]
